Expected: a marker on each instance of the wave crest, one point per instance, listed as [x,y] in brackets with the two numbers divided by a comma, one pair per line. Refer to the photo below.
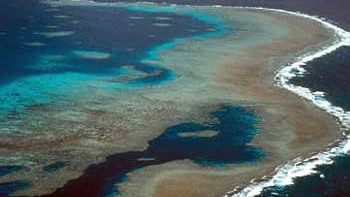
[284,175]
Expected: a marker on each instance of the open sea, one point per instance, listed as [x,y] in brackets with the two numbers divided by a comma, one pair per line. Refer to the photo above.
[39,46]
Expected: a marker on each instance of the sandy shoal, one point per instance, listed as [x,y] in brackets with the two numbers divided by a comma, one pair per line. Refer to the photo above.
[85,132]
[292,127]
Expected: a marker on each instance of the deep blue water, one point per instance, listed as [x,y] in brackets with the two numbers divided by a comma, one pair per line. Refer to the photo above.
[108,30]
[54,166]
[335,10]
[334,184]
[10,187]
[53,51]
[329,74]
[235,127]
[4,170]
[45,51]
[7,189]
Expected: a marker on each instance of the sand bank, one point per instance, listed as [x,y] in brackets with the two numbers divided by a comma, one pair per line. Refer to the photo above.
[292,127]
[238,69]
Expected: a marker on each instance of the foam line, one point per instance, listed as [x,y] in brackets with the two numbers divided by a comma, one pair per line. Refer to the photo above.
[284,175]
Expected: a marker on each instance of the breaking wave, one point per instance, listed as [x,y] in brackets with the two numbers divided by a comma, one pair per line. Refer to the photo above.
[284,175]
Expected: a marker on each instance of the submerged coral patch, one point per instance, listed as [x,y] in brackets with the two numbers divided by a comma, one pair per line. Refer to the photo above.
[54,166]
[61,16]
[55,34]
[34,44]
[7,189]
[4,170]
[49,62]
[207,133]
[163,18]
[136,17]
[91,54]
[235,128]
[52,26]
[161,24]
[52,10]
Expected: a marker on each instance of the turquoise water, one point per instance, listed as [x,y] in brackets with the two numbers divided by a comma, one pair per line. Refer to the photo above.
[234,127]
[54,54]
[231,132]
[49,54]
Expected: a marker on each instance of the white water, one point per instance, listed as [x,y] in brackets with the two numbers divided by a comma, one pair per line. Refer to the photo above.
[284,175]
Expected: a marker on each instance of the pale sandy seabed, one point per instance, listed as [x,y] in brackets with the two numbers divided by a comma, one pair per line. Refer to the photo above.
[234,68]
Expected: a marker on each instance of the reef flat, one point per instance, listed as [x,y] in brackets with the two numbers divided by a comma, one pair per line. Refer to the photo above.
[291,126]
[233,63]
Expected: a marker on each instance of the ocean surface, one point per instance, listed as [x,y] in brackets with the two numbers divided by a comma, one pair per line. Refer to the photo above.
[234,128]
[330,181]
[67,47]
[329,74]
[38,51]
[51,54]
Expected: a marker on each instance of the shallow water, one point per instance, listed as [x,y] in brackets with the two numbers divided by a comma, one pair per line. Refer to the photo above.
[235,128]
[328,74]
[51,53]
[9,188]
[335,10]
[53,46]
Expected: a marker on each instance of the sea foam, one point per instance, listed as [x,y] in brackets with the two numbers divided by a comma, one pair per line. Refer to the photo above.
[284,175]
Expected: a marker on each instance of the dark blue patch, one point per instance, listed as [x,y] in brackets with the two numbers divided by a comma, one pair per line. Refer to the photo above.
[235,128]
[4,170]
[54,166]
[110,31]
[329,74]
[334,184]
[7,189]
